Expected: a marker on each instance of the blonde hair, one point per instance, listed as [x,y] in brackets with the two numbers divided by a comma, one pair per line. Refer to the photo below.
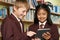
[22,3]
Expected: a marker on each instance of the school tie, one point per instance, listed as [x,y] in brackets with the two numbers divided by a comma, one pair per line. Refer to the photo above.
[41,26]
[21,26]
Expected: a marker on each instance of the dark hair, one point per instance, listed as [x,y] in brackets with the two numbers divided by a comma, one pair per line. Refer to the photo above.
[45,7]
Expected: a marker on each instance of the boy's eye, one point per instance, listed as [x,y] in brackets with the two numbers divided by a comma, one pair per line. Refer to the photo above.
[24,11]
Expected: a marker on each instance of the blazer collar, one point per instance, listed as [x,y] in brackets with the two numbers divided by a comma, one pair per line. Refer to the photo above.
[47,25]
[15,16]
[16,22]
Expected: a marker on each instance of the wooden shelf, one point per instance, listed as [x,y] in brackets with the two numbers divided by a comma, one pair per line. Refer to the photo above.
[57,24]
[1,18]
[27,21]
[55,14]
[0,34]
[5,3]
[32,8]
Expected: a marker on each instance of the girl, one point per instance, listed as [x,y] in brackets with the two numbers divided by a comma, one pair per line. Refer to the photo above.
[42,16]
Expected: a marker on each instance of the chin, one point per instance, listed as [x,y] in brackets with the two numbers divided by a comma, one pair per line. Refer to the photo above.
[41,21]
[20,17]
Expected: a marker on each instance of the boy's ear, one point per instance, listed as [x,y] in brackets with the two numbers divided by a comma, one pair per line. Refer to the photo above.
[14,7]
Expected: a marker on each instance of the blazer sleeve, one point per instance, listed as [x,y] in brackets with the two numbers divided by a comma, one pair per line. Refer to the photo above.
[32,28]
[54,33]
[6,30]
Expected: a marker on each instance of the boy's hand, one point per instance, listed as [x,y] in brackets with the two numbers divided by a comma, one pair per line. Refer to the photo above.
[36,39]
[46,35]
[30,33]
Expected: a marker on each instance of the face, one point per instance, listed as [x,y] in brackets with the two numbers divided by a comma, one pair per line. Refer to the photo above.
[20,12]
[42,15]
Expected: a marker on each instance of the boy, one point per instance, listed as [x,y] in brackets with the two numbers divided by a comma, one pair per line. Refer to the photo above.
[12,27]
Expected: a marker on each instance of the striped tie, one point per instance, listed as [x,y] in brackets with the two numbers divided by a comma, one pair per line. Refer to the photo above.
[41,26]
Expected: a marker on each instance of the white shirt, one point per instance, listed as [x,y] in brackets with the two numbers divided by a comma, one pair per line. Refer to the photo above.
[16,17]
[42,23]
[18,21]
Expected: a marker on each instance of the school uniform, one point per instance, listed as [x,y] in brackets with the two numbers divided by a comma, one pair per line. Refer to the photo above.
[11,29]
[53,30]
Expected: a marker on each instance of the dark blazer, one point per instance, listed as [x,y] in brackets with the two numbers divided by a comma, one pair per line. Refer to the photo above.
[53,31]
[11,29]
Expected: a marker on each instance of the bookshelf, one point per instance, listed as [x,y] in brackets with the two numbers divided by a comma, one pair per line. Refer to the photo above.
[55,14]
[1,18]
[28,21]
[30,15]
[4,9]
[6,4]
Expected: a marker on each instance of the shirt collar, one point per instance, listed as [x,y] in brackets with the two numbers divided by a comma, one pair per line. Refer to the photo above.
[16,17]
[42,23]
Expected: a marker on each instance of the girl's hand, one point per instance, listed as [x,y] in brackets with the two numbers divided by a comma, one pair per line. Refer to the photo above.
[46,35]
[30,33]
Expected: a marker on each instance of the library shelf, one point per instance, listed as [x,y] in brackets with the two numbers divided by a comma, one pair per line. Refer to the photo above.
[25,21]
[57,24]
[0,34]
[57,14]
[1,18]
[6,4]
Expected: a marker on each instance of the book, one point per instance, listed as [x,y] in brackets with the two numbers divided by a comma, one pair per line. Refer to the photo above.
[3,12]
[5,0]
[9,1]
[40,32]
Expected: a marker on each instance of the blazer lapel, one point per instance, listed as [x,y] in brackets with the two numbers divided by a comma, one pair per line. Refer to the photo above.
[37,26]
[16,22]
[46,25]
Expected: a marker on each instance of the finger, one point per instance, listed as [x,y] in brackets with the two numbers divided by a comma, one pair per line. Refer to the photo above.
[33,39]
[30,33]
[37,38]
[44,34]
[34,33]
[48,33]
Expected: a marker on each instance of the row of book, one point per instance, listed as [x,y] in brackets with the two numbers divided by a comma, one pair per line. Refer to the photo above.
[8,1]
[31,3]
[56,9]
[55,19]
[30,15]
[3,12]
[34,3]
